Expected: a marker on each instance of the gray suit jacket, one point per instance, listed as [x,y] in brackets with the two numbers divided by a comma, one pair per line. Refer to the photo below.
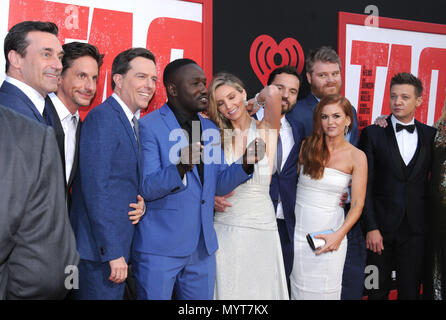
[36,239]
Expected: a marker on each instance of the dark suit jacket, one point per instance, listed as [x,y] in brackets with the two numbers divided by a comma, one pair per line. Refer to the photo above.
[14,98]
[36,239]
[285,183]
[106,183]
[60,137]
[303,113]
[391,194]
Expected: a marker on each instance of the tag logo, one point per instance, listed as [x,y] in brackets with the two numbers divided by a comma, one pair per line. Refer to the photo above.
[265,55]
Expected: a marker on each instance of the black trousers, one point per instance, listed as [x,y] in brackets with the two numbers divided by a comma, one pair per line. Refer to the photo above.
[403,252]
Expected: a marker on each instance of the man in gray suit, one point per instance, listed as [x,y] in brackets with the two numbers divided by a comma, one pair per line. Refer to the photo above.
[36,240]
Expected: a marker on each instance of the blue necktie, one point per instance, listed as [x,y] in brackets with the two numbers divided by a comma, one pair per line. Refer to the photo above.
[47,113]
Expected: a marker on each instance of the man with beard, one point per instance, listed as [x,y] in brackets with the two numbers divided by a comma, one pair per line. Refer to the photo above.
[33,57]
[175,242]
[284,180]
[324,76]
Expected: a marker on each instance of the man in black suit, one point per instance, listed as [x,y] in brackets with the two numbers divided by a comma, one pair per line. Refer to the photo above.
[77,87]
[399,160]
[33,64]
[36,240]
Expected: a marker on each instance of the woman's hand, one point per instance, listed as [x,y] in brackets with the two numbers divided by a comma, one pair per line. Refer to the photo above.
[332,241]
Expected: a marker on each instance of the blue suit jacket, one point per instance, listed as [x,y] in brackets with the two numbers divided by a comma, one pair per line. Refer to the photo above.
[106,183]
[285,183]
[176,215]
[14,98]
[303,113]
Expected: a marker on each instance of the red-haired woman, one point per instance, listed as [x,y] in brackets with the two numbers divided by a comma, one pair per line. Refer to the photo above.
[328,164]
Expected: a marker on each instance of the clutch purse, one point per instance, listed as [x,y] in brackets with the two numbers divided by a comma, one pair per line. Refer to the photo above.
[317,243]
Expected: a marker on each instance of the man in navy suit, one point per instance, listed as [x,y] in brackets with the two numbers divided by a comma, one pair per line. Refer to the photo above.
[284,180]
[324,76]
[108,178]
[33,57]
[182,168]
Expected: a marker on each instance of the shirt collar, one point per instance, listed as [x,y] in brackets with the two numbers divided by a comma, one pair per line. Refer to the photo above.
[35,97]
[284,122]
[181,117]
[129,114]
[62,110]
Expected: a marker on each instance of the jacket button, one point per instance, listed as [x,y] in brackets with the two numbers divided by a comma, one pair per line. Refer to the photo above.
[102,251]
[202,201]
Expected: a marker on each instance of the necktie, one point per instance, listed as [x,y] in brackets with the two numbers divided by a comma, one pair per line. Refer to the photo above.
[136,129]
[410,128]
[279,154]
[47,114]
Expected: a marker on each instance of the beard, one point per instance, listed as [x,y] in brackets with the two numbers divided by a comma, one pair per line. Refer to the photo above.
[326,89]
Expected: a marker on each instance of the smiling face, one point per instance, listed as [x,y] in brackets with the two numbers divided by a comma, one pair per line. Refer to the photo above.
[230,102]
[137,86]
[334,120]
[325,79]
[78,83]
[41,65]
[288,85]
[403,102]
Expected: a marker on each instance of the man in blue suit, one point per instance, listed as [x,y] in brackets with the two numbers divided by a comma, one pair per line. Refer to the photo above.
[324,75]
[175,241]
[108,178]
[33,57]
[284,180]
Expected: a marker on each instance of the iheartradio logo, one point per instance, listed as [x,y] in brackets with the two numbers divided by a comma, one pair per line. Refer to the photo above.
[265,55]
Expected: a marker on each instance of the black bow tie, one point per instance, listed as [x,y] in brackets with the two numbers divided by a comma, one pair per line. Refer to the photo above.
[410,128]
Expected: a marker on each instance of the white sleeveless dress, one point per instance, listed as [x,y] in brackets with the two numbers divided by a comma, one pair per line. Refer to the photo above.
[249,258]
[317,209]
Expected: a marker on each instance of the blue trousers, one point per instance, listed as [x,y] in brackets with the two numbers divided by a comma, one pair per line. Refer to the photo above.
[192,276]
[94,283]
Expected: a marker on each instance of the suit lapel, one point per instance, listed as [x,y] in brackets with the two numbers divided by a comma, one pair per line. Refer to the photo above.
[12,89]
[125,122]
[394,150]
[421,149]
[76,154]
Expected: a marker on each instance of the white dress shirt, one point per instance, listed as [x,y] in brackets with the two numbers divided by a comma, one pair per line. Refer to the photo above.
[69,125]
[35,97]
[286,135]
[407,142]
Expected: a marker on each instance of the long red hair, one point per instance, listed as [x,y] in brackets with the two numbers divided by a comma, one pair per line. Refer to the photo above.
[314,154]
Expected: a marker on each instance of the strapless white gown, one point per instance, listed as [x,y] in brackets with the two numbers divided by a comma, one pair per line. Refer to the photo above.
[317,209]
[249,258]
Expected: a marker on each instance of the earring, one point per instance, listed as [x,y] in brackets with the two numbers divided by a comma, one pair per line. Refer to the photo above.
[346,130]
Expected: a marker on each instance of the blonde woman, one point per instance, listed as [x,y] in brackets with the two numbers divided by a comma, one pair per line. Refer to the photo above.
[249,259]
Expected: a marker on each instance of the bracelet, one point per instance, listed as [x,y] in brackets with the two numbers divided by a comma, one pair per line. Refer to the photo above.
[256,103]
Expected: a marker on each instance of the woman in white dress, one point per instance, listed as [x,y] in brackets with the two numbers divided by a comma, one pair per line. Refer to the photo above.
[328,164]
[249,259]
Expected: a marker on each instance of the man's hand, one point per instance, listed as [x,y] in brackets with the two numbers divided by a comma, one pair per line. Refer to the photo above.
[374,241]
[139,207]
[118,268]
[220,203]
[254,152]
[189,156]
[344,198]
[381,121]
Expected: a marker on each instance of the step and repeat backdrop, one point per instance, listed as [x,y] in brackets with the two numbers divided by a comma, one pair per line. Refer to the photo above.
[250,38]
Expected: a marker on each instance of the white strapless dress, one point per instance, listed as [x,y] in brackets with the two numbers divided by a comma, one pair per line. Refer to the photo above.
[249,259]
[317,209]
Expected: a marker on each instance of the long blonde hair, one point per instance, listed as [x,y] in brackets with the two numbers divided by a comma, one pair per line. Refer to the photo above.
[220,79]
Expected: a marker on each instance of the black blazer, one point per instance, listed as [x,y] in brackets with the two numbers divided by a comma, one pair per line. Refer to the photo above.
[391,194]
[60,138]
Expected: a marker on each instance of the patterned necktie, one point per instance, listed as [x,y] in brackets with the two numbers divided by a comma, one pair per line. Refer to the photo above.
[136,129]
